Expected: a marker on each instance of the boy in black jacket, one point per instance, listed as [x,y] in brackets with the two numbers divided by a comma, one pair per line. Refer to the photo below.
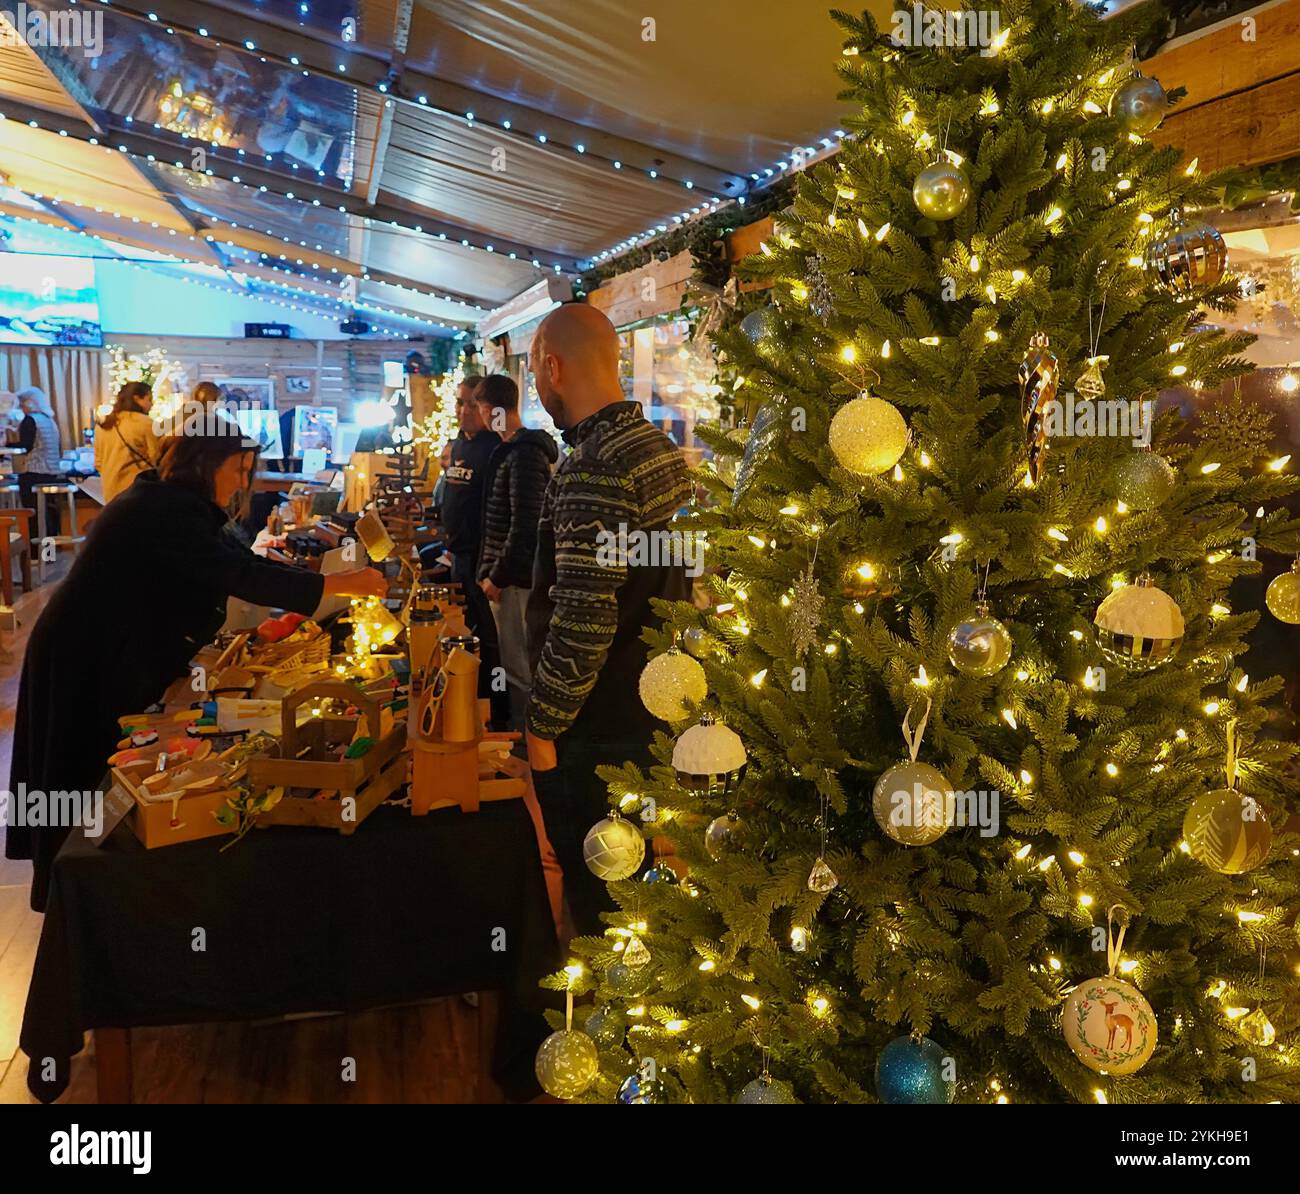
[518,472]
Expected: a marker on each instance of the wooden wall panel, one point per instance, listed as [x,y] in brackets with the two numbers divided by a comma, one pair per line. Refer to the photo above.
[654,289]
[341,372]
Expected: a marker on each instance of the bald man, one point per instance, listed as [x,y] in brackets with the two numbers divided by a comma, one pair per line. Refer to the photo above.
[623,480]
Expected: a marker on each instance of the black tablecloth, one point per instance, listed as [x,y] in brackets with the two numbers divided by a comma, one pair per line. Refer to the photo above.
[295,920]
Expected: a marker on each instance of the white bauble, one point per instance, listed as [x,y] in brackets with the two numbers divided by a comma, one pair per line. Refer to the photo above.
[613,849]
[669,681]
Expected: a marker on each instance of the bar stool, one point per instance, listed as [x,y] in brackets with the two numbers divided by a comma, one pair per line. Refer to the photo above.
[45,494]
[10,495]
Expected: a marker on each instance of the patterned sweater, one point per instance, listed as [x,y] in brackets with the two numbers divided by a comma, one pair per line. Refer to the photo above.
[591,600]
[517,476]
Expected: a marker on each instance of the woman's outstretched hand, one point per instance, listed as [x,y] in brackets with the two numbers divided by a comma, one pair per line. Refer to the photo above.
[363,582]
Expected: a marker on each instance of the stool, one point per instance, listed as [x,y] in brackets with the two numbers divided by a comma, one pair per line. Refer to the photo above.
[44,494]
[10,496]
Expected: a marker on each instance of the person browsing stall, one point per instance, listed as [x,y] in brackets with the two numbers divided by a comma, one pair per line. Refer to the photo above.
[587,610]
[517,475]
[126,442]
[147,590]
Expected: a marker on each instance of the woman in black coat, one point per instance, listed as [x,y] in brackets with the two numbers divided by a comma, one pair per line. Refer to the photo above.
[148,589]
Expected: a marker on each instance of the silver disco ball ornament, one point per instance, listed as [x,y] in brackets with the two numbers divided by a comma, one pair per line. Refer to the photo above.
[717,837]
[1191,257]
[766,1089]
[1139,105]
[1139,625]
[941,191]
[1143,480]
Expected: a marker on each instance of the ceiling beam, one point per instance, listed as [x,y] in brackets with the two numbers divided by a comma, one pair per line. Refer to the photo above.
[310,52]
[396,64]
[159,145]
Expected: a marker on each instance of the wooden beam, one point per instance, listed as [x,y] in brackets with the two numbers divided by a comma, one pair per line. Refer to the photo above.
[1232,58]
[654,289]
[1250,128]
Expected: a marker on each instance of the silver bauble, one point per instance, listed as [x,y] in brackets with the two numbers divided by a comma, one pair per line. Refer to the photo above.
[1143,480]
[941,191]
[696,641]
[913,803]
[979,645]
[1283,596]
[613,849]
[759,443]
[765,1089]
[1139,104]
[1191,257]
[717,837]
[607,1026]
[761,327]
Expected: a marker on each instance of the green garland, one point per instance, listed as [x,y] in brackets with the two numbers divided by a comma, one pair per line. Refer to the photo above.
[703,237]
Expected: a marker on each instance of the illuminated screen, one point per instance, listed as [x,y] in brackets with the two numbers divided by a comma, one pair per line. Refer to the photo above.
[49,300]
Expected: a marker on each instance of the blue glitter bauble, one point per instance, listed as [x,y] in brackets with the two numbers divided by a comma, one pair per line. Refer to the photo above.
[911,1071]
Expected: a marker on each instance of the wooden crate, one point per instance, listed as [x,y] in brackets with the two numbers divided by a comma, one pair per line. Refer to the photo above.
[362,784]
[169,822]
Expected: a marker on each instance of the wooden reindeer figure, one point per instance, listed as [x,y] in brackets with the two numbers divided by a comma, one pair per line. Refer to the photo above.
[1114,1023]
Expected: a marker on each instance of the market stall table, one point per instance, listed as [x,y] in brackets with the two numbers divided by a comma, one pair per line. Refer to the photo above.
[291,920]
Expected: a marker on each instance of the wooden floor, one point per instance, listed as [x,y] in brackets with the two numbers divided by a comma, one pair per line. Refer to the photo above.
[430,1053]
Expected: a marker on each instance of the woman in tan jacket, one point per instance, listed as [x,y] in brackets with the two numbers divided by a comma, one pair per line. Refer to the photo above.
[126,442]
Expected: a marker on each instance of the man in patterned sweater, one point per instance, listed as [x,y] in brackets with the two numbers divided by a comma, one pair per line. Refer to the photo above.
[623,480]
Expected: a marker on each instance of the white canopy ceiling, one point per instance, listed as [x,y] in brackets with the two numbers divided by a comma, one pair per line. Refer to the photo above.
[433,157]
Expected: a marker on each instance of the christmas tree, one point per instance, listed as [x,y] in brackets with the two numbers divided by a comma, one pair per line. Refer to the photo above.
[992,842]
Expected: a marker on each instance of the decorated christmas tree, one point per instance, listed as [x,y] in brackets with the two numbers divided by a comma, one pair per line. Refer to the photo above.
[1011,822]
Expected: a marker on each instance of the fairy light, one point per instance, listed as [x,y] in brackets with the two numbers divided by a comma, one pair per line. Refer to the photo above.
[898,472]
[1076,857]
[1061,161]
[1091,108]
[1085,900]
[1100,526]
[1018,275]
[1022,674]
[1046,864]
[758,677]
[992,335]
[931,341]
[1056,533]
[922,677]
[1121,507]
[1049,106]
[1178,370]
[1241,684]
[885,350]
[848,354]
[1211,708]
[790,510]
[1053,216]
[756,541]
[953,537]
[1010,718]
[866,571]
[751,1002]
[1280,463]
[1100,1096]
[1212,467]
[1112,770]
[973,264]
[883,230]
[707,965]
[1077,635]
[1023,852]
[1219,610]
[1289,383]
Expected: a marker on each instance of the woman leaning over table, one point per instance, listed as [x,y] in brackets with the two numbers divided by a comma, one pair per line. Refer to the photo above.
[148,588]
